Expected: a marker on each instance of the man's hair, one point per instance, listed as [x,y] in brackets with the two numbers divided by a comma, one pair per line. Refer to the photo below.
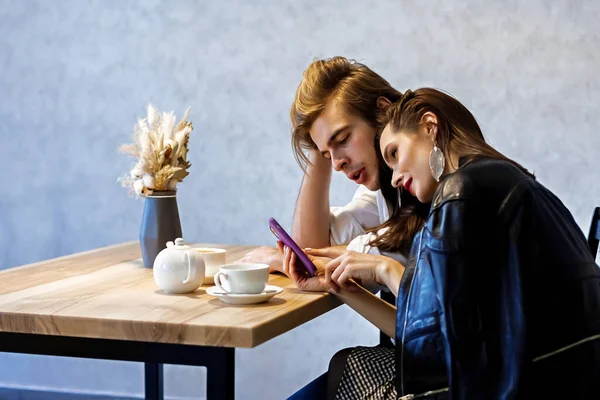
[352,85]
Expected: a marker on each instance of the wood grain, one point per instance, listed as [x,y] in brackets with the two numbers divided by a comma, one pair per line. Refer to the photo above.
[107,293]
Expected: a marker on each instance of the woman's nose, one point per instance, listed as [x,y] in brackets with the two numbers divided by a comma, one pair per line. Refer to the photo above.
[397,180]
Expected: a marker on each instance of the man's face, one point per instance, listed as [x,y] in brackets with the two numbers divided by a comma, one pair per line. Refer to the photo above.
[349,142]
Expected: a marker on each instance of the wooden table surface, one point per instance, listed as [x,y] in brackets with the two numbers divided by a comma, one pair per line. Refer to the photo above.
[108,294]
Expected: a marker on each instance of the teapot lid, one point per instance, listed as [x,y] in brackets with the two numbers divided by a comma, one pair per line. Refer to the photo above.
[178,245]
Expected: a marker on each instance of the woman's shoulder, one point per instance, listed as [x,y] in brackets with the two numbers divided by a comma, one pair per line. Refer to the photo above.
[484,179]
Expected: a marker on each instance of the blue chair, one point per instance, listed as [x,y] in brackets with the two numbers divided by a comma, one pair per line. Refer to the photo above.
[315,390]
[325,386]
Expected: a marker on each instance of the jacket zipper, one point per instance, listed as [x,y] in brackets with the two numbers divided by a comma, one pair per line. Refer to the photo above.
[406,315]
[418,396]
[590,338]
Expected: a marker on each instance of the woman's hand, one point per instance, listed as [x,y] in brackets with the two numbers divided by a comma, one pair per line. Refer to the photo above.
[350,268]
[295,270]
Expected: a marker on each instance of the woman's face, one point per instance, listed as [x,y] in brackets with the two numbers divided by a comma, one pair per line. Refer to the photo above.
[407,154]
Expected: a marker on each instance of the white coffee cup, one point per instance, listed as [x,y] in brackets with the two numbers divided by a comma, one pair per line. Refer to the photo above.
[242,278]
[213,258]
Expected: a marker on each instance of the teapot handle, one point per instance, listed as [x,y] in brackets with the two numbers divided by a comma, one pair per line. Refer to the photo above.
[191,268]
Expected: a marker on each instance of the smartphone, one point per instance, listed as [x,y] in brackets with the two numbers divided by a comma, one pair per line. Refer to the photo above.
[284,238]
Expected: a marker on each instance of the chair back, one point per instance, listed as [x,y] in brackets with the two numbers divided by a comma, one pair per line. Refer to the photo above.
[385,340]
[594,235]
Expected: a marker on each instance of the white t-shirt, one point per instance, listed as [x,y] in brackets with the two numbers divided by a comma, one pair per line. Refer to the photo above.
[348,224]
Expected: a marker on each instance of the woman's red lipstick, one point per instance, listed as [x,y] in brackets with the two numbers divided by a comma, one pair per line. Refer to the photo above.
[408,186]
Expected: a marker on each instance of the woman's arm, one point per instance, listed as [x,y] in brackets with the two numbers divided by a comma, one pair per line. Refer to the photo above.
[378,312]
[476,272]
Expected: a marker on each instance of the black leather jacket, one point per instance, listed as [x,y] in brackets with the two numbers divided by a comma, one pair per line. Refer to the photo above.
[500,282]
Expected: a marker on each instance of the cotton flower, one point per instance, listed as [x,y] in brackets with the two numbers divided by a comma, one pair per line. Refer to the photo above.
[148,181]
[136,171]
[138,186]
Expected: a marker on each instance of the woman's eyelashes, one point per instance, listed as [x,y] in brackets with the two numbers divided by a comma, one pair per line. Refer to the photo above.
[391,155]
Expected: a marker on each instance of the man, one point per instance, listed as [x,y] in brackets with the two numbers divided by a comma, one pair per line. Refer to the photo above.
[334,119]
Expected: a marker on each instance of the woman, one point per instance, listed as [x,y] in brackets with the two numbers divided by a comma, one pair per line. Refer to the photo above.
[501,295]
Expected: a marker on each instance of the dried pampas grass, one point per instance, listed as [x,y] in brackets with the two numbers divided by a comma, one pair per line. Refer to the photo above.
[160,147]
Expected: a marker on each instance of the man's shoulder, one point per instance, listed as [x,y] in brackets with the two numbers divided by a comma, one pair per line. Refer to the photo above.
[363,193]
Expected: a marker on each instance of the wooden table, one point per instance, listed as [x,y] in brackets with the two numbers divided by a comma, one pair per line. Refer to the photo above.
[104,304]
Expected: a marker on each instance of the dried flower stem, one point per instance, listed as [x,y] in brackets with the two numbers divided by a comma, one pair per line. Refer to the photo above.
[160,147]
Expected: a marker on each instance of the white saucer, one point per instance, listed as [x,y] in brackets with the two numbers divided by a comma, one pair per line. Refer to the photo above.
[244,298]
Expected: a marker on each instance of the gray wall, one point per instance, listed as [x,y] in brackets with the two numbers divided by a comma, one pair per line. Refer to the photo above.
[75,75]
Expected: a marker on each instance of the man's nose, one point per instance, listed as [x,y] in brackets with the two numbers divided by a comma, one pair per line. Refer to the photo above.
[339,163]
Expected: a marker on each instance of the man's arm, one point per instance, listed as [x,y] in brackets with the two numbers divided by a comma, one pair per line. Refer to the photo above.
[311,216]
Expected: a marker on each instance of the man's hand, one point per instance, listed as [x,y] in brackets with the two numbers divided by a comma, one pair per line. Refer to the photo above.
[265,255]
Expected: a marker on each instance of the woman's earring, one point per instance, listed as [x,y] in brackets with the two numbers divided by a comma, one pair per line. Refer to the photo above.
[400,196]
[437,162]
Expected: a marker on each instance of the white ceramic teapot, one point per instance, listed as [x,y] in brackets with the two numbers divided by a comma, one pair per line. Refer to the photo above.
[177,269]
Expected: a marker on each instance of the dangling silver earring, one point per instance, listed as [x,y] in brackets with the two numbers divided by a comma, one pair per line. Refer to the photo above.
[400,196]
[437,162]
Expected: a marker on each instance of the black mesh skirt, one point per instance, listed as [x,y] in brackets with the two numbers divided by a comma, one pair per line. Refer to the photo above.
[370,373]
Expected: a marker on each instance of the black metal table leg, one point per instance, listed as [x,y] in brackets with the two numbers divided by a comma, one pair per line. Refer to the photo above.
[153,377]
[220,375]
[219,361]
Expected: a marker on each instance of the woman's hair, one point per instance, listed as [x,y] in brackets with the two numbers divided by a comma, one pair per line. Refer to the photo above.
[352,85]
[458,133]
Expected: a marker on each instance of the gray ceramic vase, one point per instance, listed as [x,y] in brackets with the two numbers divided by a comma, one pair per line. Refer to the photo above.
[160,224]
